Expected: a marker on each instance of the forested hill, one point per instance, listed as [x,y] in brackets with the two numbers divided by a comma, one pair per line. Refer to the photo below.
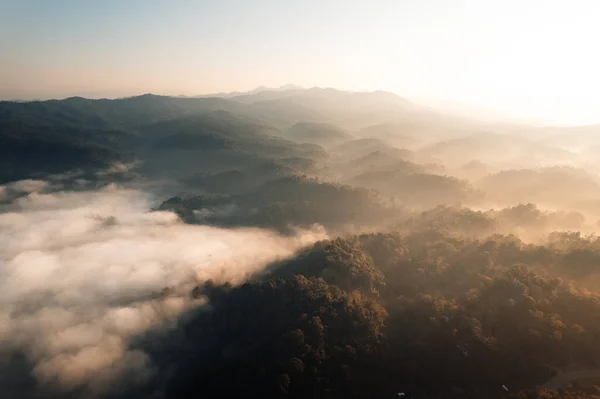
[59,135]
[446,258]
[373,315]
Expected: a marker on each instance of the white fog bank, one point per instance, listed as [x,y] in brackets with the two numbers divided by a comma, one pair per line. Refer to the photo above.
[81,273]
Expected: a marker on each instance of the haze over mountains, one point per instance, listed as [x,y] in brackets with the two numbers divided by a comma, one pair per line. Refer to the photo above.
[287,112]
[294,243]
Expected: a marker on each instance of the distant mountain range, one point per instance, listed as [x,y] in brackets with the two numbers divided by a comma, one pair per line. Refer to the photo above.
[175,136]
[255,91]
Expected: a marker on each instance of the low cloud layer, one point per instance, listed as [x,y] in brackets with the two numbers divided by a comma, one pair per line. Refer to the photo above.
[17,189]
[81,273]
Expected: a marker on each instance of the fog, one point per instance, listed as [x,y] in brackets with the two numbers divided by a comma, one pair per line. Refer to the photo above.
[167,247]
[83,272]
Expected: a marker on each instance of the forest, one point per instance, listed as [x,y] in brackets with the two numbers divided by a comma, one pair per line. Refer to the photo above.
[459,259]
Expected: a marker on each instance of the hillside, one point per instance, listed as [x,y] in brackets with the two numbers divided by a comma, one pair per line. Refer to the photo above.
[317,133]
[292,243]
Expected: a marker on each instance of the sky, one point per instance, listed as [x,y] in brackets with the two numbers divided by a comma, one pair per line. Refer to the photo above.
[535,59]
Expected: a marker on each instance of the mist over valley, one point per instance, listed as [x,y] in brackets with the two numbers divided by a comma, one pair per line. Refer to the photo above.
[294,243]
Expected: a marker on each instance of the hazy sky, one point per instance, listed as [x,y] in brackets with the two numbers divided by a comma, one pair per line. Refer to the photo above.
[535,58]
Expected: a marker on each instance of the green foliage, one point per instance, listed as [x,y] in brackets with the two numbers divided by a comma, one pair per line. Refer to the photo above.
[372,315]
[288,202]
[279,337]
